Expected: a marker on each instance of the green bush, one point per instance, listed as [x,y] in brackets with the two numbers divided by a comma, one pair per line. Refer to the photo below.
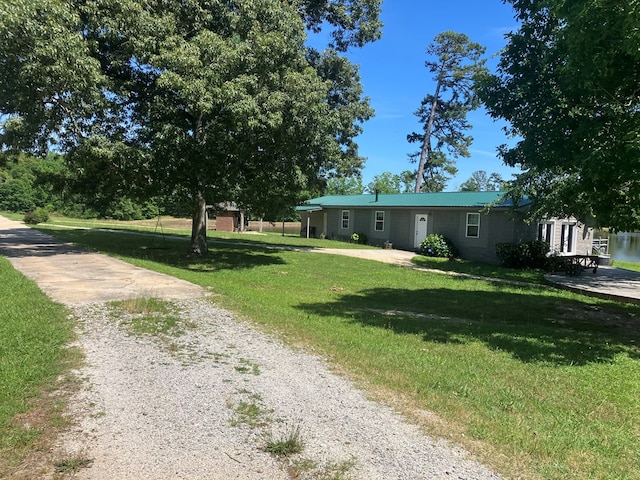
[531,254]
[16,196]
[151,210]
[437,245]
[556,263]
[76,207]
[123,209]
[39,215]
[359,238]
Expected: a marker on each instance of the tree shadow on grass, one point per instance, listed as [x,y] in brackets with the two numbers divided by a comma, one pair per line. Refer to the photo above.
[232,257]
[171,251]
[531,327]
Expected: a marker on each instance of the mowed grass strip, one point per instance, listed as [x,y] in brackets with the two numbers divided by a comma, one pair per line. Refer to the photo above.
[538,382]
[34,333]
[635,266]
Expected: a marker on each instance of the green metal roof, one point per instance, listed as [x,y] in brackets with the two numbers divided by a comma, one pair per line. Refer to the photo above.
[308,208]
[409,200]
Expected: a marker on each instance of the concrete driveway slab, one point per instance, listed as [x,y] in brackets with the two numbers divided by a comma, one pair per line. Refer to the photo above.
[608,282]
[71,275]
[396,257]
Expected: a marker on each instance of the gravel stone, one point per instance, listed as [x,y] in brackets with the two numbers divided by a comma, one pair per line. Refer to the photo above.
[167,407]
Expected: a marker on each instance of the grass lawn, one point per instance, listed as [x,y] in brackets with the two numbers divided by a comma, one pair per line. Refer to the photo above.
[635,266]
[168,227]
[33,334]
[538,382]
[480,269]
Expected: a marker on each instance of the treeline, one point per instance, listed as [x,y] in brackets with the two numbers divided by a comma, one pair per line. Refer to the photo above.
[28,183]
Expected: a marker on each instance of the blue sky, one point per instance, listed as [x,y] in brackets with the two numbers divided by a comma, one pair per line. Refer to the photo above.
[394,77]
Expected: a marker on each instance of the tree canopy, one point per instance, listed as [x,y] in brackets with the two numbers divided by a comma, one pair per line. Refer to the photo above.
[212,101]
[355,22]
[345,186]
[388,182]
[480,182]
[455,63]
[568,84]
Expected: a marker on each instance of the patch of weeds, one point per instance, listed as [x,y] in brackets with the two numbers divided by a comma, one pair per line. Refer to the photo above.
[244,391]
[193,356]
[72,465]
[152,317]
[306,469]
[190,324]
[250,412]
[289,444]
[217,357]
[144,306]
[247,366]
[172,347]
[153,325]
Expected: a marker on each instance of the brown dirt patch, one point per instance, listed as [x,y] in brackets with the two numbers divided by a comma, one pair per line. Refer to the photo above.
[596,315]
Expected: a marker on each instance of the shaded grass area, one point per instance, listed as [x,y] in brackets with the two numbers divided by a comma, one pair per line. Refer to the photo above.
[480,269]
[162,232]
[538,382]
[33,335]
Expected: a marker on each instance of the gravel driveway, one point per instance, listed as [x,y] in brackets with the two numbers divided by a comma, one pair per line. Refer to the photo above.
[205,401]
[205,407]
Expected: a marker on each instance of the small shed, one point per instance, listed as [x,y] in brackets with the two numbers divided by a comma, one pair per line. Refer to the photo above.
[230,218]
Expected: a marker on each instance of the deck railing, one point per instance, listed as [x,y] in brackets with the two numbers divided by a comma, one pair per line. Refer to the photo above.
[600,246]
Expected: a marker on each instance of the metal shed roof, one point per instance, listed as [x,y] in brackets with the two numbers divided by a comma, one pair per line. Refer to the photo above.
[410,200]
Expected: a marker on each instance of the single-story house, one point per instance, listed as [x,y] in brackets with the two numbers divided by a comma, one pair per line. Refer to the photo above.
[473,221]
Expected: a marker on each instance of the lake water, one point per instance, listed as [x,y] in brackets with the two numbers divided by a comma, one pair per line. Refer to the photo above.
[625,246]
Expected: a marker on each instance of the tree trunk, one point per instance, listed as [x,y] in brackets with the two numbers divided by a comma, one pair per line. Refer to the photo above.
[425,151]
[425,154]
[199,227]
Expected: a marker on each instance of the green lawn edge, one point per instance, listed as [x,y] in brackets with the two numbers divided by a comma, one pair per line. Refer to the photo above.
[34,354]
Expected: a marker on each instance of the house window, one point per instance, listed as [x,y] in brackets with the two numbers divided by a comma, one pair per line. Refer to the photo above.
[473,225]
[568,238]
[545,233]
[345,219]
[379,221]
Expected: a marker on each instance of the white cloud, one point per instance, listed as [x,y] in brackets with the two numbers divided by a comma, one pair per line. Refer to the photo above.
[484,153]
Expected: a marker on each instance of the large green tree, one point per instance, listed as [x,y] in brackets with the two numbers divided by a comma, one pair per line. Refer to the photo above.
[456,63]
[480,182]
[388,182]
[568,85]
[210,101]
[354,22]
[345,186]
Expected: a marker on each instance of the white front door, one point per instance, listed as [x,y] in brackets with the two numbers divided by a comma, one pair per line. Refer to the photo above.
[421,230]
